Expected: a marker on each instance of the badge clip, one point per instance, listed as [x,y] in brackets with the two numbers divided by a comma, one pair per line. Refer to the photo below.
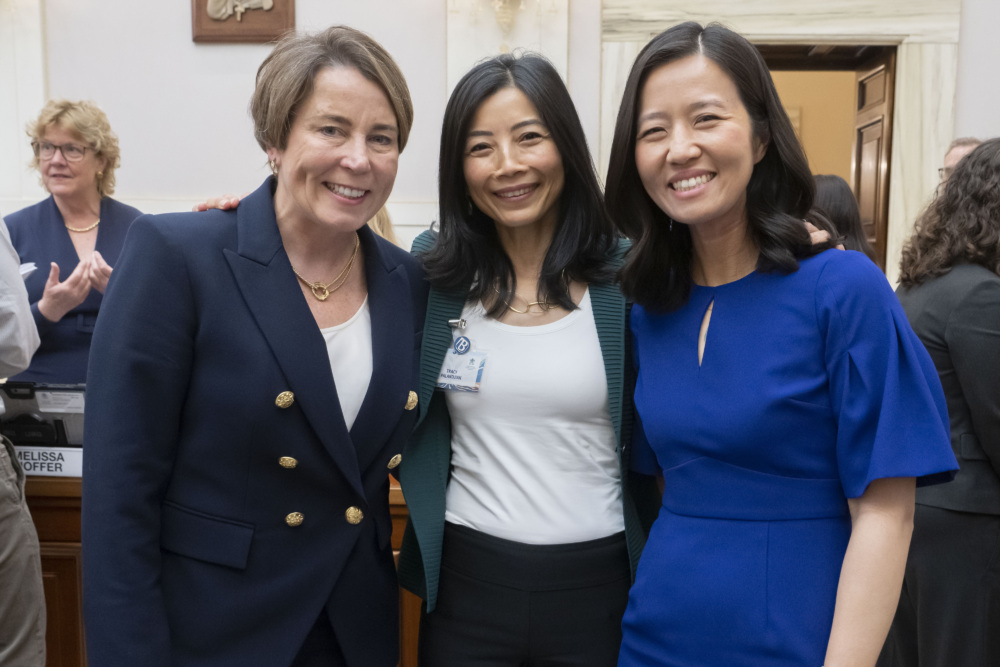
[460,323]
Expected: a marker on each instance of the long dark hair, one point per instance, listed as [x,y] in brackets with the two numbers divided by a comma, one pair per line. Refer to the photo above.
[780,193]
[962,224]
[468,250]
[836,201]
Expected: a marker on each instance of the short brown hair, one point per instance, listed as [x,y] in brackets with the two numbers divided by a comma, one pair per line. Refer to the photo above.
[86,120]
[285,79]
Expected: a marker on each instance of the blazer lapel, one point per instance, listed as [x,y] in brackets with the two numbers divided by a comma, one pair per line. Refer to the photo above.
[269,287]
[390,303]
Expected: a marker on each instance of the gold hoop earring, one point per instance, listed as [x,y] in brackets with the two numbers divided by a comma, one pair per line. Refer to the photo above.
[274,167]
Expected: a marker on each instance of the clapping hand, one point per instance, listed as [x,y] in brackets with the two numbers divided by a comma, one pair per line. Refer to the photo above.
[99,272]
[58,298]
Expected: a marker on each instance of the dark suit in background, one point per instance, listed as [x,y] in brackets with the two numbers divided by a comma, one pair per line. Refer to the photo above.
[223,515]
[949,611]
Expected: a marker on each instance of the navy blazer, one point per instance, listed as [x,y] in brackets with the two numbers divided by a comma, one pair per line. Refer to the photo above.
[39,235]
[220,521]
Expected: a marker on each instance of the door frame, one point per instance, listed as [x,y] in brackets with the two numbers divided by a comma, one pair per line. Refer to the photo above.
[925,34]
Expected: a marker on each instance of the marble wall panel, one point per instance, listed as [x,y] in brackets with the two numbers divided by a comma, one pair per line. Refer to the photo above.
[475,31]
[616,61]
[922,130]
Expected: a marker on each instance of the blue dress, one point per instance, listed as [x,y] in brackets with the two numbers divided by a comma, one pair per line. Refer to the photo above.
[812,385]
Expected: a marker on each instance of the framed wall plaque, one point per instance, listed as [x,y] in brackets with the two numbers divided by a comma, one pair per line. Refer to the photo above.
[241,20]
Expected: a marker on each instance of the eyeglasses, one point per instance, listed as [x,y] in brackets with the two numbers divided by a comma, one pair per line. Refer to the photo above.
[71,152]
[945,172]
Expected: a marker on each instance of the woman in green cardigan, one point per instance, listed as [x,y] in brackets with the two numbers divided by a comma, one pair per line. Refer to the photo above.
[523,531]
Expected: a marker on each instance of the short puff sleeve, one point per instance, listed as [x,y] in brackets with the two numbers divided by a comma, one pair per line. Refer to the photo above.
[892,419]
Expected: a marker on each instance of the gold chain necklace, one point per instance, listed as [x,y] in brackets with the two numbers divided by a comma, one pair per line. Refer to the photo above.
[323,292]
[542,305]
[84,229]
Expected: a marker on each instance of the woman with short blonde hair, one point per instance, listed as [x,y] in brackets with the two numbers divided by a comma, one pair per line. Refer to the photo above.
[74,236]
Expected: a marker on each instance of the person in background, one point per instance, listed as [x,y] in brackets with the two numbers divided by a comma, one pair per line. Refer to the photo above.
[22,600]
[949,610]
[836,201]
[252,384]
[381,224]
[958,149]
[74,237]
[780,392]
[523,531]
[18,334]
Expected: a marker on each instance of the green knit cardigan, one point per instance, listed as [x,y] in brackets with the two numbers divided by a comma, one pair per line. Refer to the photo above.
[424,471]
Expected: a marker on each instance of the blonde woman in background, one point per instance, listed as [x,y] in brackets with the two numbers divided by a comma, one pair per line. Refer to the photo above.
[382,225]
[74,236]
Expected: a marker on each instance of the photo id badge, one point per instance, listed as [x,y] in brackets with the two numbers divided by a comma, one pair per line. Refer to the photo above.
[463,366]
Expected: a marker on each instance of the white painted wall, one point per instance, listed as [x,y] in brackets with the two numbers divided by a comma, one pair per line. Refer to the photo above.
[22,93]
[180,108]
[977,98]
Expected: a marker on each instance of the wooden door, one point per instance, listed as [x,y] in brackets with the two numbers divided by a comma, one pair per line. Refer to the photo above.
[875,88]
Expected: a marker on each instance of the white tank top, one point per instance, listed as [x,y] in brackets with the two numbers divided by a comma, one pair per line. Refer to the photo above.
[533,452]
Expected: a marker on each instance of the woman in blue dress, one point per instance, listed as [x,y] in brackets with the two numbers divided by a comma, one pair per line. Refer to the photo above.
[781,393]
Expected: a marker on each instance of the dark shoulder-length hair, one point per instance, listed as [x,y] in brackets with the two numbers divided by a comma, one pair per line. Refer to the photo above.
[468,250]
[962,224]
[657,273]
[835,200]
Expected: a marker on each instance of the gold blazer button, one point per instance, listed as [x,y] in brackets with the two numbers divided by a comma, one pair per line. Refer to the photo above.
[354,515]
[411,400]
[284,399]
[395,461]
[295,519]
[287,462]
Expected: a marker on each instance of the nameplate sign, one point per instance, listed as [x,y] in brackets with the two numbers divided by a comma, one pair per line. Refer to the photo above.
[51,461]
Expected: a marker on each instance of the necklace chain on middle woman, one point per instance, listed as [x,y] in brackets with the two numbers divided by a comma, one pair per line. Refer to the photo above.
[543,305]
